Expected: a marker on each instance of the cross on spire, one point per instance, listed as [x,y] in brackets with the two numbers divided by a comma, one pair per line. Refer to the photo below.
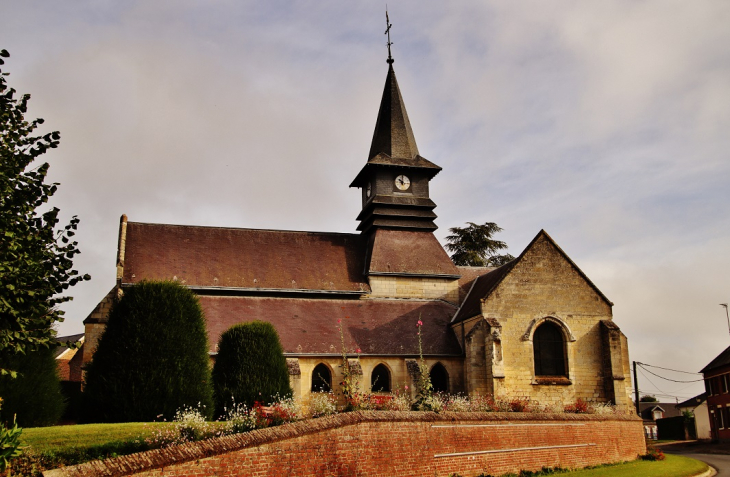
[387,32]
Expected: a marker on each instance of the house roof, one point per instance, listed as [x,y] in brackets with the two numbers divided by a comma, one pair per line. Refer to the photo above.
[693,402]
[60,349]
[721,360]
[309,326]
[401,252]
[248,259]
[668,409]
[486,284]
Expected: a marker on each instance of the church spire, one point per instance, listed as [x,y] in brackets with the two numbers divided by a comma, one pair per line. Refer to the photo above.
[393,134]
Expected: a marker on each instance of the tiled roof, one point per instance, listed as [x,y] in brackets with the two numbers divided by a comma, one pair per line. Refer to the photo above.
[668,408]
[722,359]
[245,258]
[309,326]
[409,252]
[483,286]
[693,402]
[60,349]
[468,275]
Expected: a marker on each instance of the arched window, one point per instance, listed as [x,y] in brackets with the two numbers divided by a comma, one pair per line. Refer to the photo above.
[380,379]
[439,378]
[321,378]
[549,347]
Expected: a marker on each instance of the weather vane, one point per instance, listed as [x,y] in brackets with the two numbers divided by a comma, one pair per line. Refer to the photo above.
[387,32]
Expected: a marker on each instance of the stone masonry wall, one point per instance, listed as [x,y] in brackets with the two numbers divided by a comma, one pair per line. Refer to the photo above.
[393,443]
[415,287]
[545,284]
[399,376]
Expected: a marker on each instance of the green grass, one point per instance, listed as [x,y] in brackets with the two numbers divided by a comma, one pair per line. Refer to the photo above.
[672,466]
[62,439]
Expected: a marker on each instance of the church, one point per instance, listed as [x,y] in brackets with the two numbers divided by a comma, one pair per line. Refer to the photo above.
[534,328]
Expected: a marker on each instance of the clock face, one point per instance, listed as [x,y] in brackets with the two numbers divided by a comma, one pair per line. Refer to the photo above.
[368,190]
[402,182]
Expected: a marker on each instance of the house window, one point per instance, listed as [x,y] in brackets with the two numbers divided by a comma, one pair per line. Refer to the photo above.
[549,348]
[439,378]
[708,386]
[658,414]
[380,379]
[726,416]
[321,379]
[718,419]
[724,378]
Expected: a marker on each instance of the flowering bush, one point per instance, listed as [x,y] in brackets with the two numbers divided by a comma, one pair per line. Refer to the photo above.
[283,410]
[191,424]
[578,407]
[322,404]
[400,401]
[238,419]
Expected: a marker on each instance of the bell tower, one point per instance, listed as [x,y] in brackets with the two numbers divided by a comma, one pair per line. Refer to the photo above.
[404,259]
[395,179]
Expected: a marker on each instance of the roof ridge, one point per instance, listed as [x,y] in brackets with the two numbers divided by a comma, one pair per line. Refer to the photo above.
[219,227]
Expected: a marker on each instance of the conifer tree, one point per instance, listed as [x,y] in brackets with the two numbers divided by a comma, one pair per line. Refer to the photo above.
[152,358]
[250,366]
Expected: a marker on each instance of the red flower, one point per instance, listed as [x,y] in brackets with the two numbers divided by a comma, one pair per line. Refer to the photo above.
[420,323]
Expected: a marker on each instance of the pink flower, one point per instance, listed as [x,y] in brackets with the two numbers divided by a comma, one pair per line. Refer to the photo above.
[357,351]
[406,387]
[420,323]
[339,320]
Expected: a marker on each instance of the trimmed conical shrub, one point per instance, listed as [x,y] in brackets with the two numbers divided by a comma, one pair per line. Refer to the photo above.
[152,358]
[250,366]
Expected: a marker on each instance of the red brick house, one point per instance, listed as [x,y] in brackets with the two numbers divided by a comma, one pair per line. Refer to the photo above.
[717,386]
[536,327]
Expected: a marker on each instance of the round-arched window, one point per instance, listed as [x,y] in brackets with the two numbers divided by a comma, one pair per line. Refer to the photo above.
[549,348]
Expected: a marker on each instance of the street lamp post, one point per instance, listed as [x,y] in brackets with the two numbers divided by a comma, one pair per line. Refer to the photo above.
[724,305]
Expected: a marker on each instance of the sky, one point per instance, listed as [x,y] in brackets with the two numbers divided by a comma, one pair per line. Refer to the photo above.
[603,123]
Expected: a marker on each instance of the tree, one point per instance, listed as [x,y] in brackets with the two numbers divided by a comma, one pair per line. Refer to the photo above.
[473,245]
[250,366]
[648,398]
[152,358]
[36,257]
[35,395]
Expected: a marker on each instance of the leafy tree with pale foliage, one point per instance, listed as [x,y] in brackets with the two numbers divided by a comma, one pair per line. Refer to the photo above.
[36,257]
[474,246]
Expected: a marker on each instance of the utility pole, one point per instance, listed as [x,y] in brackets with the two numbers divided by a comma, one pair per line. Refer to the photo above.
[636,390]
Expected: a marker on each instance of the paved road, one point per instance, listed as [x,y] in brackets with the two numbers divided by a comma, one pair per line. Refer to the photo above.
[721,462]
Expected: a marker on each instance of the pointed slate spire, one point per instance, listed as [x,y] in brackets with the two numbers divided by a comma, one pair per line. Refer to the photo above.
[393,134]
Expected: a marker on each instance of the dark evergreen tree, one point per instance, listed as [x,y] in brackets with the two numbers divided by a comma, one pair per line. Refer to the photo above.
[474,246]
[35,394]
[152,358]
[250,366]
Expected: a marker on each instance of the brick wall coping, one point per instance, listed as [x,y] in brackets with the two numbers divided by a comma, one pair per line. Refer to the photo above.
[158,458]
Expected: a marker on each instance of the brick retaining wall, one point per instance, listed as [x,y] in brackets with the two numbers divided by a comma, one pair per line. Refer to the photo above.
[380,443]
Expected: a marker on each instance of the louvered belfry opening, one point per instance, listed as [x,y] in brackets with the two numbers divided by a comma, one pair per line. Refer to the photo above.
[549,347]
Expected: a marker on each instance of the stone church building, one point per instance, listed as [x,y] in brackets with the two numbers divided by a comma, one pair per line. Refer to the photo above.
[534,328]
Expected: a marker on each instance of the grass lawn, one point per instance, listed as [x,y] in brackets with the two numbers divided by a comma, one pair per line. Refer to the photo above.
[62,439]
[672,466]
